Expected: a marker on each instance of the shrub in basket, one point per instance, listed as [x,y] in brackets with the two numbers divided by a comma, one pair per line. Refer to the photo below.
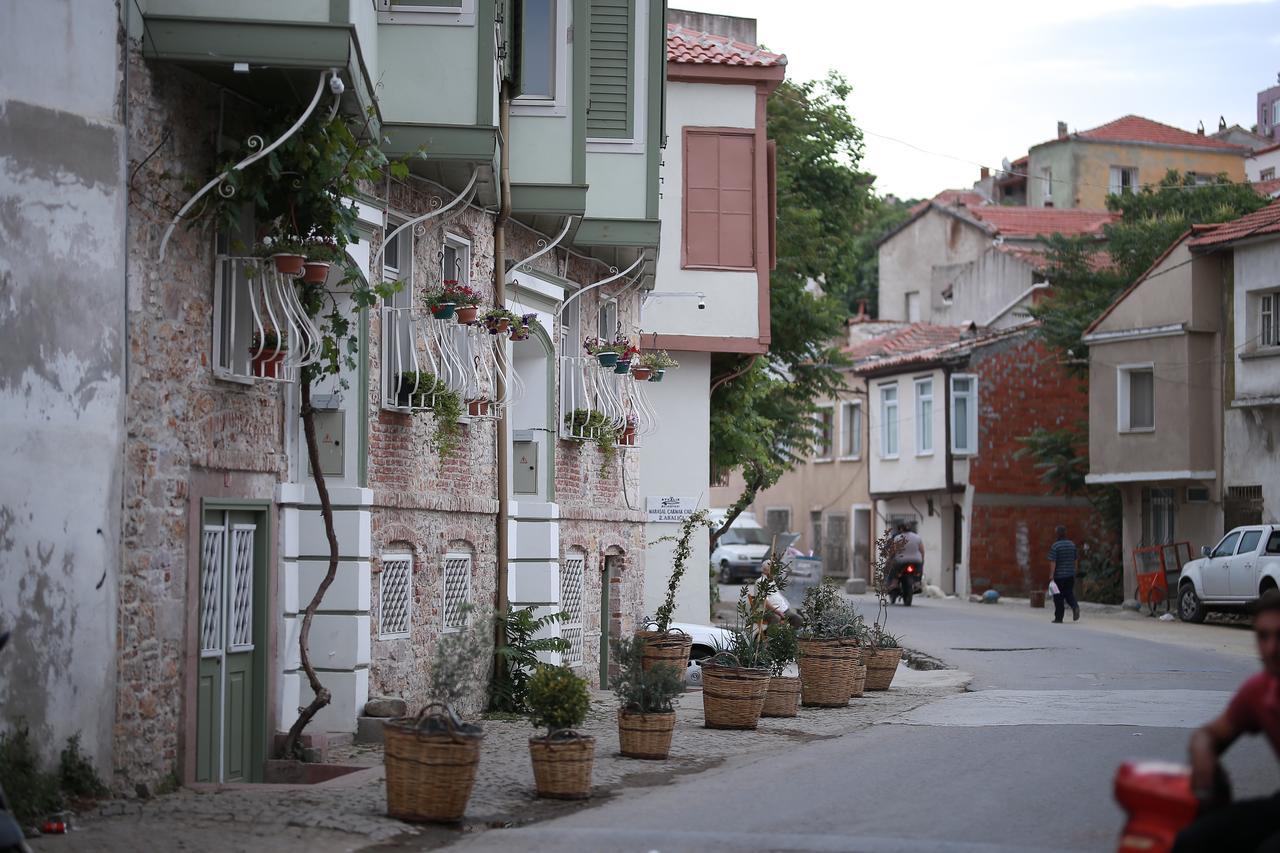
[662,643]
[558,701]
[735,680]
[829,648]
[431,758]
[646,714]
[882,650]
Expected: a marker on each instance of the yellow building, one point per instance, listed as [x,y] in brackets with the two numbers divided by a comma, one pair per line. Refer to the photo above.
[1081,169]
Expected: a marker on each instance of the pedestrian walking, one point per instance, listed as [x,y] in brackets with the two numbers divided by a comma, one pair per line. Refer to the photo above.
[1063,557]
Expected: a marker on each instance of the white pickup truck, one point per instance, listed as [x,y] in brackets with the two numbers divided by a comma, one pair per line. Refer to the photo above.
[1232,574]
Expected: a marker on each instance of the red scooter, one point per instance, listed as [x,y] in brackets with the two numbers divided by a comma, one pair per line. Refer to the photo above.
[1158,798]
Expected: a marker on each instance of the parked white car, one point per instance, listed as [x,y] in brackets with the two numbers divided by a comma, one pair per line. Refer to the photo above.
[741,549]
[1231,575]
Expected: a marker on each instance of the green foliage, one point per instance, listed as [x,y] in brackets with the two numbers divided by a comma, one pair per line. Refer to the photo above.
[884,640]
[882,216]
[658,360]
[596,426]
[518,657]
[557,699]
[679,562]
[76,773]
[714,581]
[781,646]
[642,691]
[446,409]
[34,793]
[460,664]
[828,615]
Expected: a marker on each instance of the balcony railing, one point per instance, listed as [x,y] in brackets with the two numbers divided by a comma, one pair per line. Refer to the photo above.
[260,330]
[595,398]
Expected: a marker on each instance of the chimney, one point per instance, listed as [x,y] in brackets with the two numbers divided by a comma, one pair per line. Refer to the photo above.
[862,309]
[985,173]
[1062,130]
[1200,129]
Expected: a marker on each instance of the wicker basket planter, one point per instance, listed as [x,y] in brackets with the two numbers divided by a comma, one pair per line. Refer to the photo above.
[826,672]
[733,696]
[858,681]
[783,697]
[430,771]
[645,735]
[562,765]
[882,665]
[671,648]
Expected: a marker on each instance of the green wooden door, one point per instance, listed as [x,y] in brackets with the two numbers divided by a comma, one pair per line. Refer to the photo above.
[230,694]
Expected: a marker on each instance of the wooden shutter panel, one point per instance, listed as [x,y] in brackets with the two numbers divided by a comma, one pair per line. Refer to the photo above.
[610,90]
[719,200]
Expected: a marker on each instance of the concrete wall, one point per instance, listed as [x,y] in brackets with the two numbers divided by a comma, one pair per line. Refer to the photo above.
[908,260]
[428,73]
[673,463]
[1257,369]
[62,352]
[1255,165]
[912,471]
[1060,160]
[732,300]
[981,289]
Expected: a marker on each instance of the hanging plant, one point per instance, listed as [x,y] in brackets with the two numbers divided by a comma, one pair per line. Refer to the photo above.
[521,330]
[499,320]
[287,251]
[446,410]
[597,427]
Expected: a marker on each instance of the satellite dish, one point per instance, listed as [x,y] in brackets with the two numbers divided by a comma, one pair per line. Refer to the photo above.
[1006,165]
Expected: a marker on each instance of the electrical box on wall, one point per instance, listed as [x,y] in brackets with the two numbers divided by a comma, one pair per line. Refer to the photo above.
[330,427]
[524,466]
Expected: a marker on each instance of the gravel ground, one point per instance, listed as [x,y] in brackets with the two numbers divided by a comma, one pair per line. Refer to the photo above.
[350,813]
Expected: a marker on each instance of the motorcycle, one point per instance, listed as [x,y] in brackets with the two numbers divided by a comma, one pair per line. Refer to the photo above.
[1158,798]
[905,580]
[12,838]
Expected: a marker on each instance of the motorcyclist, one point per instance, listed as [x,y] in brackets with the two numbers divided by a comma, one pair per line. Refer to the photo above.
[1255,709]
[908,549]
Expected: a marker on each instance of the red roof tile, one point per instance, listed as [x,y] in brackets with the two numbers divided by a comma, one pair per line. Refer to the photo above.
[952,198]
[1028,222]
[1258,223]
[1267,188]
[699,48]
[962,342]
[1133,128]
[913,338]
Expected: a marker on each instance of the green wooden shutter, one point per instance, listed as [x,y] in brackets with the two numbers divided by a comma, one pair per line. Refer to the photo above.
[610,87]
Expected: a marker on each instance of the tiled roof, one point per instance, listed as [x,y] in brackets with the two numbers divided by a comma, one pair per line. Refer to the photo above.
[913,338]
[1025,222]
[699,48]
[962,341]
[952,198]
[1258,223]
[1270,188]
[1133,128]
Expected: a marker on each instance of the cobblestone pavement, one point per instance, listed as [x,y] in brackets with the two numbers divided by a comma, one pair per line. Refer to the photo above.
[349,813]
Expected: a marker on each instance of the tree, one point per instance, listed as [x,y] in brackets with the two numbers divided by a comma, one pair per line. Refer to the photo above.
[882,216]
[762,407]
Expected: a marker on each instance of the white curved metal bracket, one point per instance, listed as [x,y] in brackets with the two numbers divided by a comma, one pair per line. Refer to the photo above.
[543,247]
[430,214]
[601,283]
[255,141]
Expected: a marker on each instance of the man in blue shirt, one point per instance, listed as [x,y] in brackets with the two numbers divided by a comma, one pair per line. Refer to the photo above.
[1062,558]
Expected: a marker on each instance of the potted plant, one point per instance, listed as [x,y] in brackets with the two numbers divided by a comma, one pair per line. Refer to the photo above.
[783,696]
[465,299]
[267,350]
[431,758]
[287,251]
[478,408]
[446,410]
[592,425]
[882,649]
[627,435]
[499,320]
[735,680]
[606,352]
[440,303]
[662,643]
[520,331]
[321,253]
[628,352]
[657,362]
[415,389]
[646,715]
[828,648]
[562,759]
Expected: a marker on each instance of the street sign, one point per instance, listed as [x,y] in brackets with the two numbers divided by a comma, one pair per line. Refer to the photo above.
[670,509]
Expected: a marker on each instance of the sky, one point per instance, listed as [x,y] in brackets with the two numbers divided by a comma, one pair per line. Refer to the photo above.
[975,82]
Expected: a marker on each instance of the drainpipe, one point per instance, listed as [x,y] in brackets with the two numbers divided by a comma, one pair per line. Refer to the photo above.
[500,301]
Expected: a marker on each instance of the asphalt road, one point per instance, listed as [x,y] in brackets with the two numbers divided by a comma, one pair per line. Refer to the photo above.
[1023,762]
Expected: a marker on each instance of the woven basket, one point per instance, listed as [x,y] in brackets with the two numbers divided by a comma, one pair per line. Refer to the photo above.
[429,774]
[783,698]
[826,672]
[858,682]
[645,735]
[671,647]
[562,768]
[882,665]
[733,696]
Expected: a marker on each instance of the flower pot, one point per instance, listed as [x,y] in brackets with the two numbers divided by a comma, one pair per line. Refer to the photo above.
[826,672]
[478,408]
[467,313]
[627,437]
[266,363]
[607,359]
[500,325]
[671,648]
[658,374]
[287,264]
[315,272]
[443,311]
[519,336]
[733,696]
[642,374]
[645,735]
[562,766]
[622,366]
[429,774]
[882,665]
[1037,598]
[782,698]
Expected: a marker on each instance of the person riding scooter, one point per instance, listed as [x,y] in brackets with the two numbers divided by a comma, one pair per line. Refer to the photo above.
[906,571]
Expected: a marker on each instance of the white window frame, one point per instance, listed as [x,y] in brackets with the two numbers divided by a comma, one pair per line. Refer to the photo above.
[889,437]
[394,12]
[452,556]
[607,318]
[924,422]
[1268,174]
[847,409]
[1268,320]
[1123,373]
[1046,175]
[1275,113]
[818,455]
[906,308]
[391,271]
[558,104]
[1118,176]
[398,556]
[971,414]
[462,249]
